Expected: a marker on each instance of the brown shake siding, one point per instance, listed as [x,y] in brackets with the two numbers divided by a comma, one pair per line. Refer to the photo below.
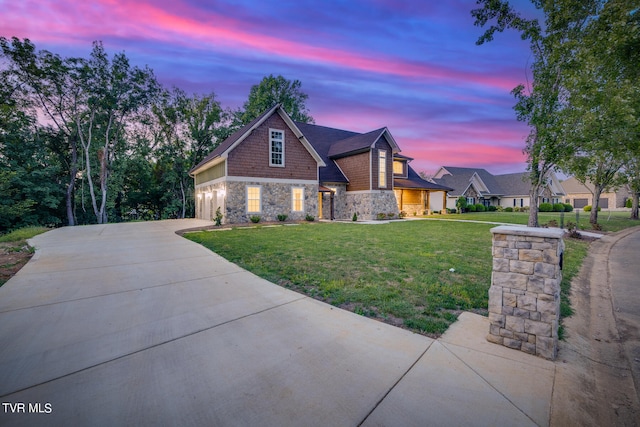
[356,168]
[251,157]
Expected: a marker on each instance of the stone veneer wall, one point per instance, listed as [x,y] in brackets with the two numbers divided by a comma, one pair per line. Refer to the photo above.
[524,298]
[368,204]
[276,199]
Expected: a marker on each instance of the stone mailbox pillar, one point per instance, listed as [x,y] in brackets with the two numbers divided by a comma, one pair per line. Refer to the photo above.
[524,298]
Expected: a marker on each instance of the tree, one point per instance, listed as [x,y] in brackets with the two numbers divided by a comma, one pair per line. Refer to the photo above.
[539,105]
[112,93]
[45,79]
[269,92]
[187,129]
[603,90]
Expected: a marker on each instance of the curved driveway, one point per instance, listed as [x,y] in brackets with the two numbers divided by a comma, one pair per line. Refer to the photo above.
[130,324]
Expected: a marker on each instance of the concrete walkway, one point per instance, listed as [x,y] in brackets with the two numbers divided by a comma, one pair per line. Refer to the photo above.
[130,324]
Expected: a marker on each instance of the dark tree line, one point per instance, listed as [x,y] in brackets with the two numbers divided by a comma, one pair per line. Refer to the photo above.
[96,140]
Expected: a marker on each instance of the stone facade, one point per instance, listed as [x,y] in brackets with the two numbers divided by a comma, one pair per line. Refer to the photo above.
[524,297]
[276,199]
[368,204]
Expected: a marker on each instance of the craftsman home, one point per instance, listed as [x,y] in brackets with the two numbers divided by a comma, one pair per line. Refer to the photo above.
[275,166]
[508,190]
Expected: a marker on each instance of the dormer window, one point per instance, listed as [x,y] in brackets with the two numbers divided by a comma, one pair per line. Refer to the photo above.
[276,147]
[398,167]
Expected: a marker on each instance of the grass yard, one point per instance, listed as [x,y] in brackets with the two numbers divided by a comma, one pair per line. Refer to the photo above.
[397,272]
[15,252]
[609,221]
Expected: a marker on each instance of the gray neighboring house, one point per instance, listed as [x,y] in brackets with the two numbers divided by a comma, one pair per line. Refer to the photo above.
[580,195]
[481,187]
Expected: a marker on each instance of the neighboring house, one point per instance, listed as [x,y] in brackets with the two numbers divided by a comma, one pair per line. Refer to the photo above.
[275,166]
[580,195]
[482,187]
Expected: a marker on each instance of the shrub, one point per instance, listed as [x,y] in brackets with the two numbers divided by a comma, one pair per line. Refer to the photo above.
[471,208]
[545,207]
[492,208]
[282,217]
[480,208]
[508,209]
[628,203]
[568,207]
[453,210]
[461,203]
[390,215]
[589,207]
[558,207]
[552,223]
[309,218]
[255,219]
[381,216]
[218,217]
[354,217]
[403,214]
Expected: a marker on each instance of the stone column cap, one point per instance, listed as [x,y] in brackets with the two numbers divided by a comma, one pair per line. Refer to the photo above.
[516,230]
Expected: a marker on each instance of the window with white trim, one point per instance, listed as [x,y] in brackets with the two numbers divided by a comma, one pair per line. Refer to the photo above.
[471,200]
[382,168]
[276,147]
[254,199]
[297,199]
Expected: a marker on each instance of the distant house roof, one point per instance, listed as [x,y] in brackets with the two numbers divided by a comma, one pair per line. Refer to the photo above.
[514,184]
[415,181]
[459,180]
[488,185]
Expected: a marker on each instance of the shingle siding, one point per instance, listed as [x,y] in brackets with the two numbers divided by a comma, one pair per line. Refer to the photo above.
[251,157]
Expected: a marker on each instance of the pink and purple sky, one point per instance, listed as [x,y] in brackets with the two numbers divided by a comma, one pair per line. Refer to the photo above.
[410,65]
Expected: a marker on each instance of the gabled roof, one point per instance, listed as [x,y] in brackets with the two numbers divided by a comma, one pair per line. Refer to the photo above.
[511,184]
[222,150]
[514,184]
[459,180]
[415,181]
[322,138]
[361,143]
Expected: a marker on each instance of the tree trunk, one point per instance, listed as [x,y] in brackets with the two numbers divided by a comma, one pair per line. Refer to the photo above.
[634,206]
[533,205]
[597,191]
[184,199]
[72,182]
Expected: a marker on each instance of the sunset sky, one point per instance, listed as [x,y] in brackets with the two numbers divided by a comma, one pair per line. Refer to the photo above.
[410,65]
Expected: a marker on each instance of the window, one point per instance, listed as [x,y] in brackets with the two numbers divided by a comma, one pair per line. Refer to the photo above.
[471,200]
[398,167]
[297,199]
[253,199]
[514,203]
[382,168]
[276,147]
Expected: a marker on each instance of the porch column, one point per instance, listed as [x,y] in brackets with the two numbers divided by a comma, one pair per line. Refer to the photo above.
[444,201]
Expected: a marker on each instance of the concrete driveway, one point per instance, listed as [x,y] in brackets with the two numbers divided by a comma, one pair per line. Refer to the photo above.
[130,324]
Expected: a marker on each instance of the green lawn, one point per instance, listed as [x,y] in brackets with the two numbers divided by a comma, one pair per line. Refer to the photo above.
[610,221]
[397,272]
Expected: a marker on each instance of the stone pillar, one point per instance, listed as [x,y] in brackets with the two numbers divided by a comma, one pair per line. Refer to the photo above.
[524,297]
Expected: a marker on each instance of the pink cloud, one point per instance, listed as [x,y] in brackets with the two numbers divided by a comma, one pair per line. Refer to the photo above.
[139,20]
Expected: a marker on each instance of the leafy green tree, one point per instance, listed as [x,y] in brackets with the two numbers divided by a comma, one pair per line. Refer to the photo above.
[113,93]
[551,46]
[603,87]
[186,130]
[45,80]
[270,91]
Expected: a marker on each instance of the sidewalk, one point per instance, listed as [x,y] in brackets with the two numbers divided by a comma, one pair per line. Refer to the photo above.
[129,324]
